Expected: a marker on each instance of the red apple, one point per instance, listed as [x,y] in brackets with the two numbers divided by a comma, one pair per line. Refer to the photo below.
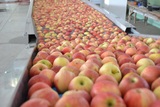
[130,81]
[128,65]
[47,94]
[106,78]
[109,59]
[155,104]
[93,75]
[144,97]
[37,86]
[131,51]
[89,65]
[79,55]
[76,63]
[82,93]
[48,73]
[39,78]
[36,69]
[107,53]
[42,54]
[137,57]
[151,73]
[51,58]
[37,102]
[127,70]
[72,101]
[105,86]
[155,83]
[107,100]
[95,60]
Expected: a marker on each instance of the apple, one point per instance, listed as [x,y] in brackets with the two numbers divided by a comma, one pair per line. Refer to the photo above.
[51,58]
[142,47]
[82,93]
[55,53]
[93,56]
[149,40]
[155,83]
[106,78]
[42,54]
[128,65]
[48,73]
[45,62]
[39,78]
[36,69]
[144,97]
[85,52]
[89,65]
[154,56]
[156,103]
[93,75]
[103,87]
[37,86]
[154,50]
[130,81]
[95,60]
[81,83]
[127,70]
[143,63]
[66,50]
[156,91]
[60,61]
[137,57]
[76,63]
[109,59]
[47,94]
[107,53]
[72,101]
[111,69]
[151,73]
[68,55]
[79,55]
[37,102]
[70,68]
[107,100]
[131,51]
[36,59]
[40,46]
[62,80]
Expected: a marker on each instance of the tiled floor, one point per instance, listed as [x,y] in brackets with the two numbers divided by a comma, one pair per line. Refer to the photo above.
[12,27]
[12,43]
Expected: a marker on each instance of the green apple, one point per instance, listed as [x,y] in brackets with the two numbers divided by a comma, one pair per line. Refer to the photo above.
[154,56]
[156,91]
[81,83]
[111,69]
[45,62]
[60,61]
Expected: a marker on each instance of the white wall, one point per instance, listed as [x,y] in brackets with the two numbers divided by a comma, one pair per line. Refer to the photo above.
[117,7]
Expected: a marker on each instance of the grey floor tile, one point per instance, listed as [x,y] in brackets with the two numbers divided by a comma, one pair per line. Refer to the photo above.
[9,53]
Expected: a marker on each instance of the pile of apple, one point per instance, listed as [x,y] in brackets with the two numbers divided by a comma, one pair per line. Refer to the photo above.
[84,60]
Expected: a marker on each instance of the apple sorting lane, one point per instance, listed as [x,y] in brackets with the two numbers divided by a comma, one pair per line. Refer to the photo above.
[76,37]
